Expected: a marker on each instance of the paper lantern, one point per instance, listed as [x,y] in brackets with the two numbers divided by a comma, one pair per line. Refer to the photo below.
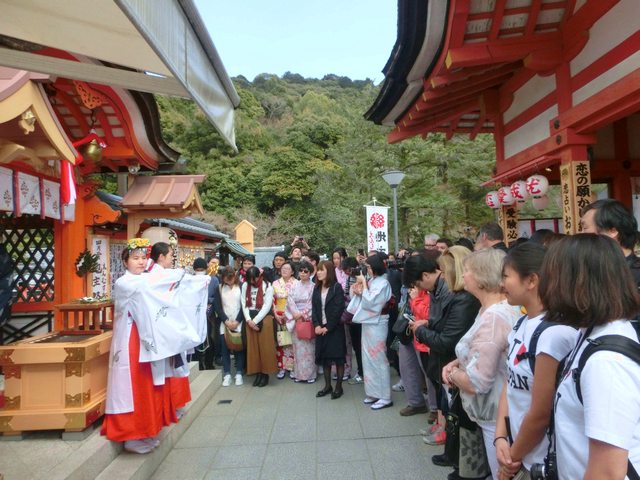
[519,191]
[491,199]
[161,234]
[537,185]
[540,203]
[505,197]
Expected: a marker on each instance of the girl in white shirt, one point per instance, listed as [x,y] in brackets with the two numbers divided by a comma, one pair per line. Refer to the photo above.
[527,399]
[586,283]
[231,304]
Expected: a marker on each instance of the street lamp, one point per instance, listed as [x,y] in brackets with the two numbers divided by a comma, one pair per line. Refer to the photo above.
[393,178]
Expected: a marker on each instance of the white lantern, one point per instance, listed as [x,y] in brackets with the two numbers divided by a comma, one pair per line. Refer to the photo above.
[519,191]
[505,197]
[540,203]
[161,234]
[491,199]
[537,185]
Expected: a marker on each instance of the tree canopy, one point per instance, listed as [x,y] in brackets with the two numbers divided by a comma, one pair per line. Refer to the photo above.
[308,162]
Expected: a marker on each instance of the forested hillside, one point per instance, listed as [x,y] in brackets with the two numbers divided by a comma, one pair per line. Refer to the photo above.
[308,162]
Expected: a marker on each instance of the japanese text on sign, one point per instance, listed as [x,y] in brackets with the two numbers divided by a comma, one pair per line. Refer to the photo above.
[377,225]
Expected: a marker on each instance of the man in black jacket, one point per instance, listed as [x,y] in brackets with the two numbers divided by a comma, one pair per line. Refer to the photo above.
[490,235]
[611,218]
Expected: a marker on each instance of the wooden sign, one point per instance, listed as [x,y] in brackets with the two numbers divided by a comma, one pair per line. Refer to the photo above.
[99,284]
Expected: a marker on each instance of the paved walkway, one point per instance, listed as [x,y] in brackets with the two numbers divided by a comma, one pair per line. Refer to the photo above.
[284,432]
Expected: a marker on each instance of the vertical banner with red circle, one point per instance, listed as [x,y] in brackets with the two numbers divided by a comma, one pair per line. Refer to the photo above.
[377,228]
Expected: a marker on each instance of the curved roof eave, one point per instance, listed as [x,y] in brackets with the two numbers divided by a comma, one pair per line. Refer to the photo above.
[421,37]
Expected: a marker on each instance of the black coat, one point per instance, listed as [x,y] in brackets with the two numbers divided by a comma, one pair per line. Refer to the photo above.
[331,347]
[451,314]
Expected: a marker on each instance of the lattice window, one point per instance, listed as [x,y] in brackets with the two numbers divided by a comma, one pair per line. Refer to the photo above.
[29,241]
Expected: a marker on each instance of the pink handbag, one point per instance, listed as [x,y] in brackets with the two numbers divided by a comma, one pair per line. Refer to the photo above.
[305,330]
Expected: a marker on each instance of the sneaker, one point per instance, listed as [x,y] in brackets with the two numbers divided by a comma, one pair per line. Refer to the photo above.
[311,380]
[291,375]
[409,410]
[436,427]
[334,376]
[380,404]
[398,387]
[357,380]
[345,377]
[226,381]
[137,446]
[280,375]
[432,417]
[438,438]
[369,400]
[239,380]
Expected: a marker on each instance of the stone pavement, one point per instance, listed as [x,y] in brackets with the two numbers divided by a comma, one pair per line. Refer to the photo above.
[284,432]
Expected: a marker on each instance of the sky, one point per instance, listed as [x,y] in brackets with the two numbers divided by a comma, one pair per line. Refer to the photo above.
[352,38]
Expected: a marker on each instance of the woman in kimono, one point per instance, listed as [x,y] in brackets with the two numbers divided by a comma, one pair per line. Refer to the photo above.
[136,409]
[369,307]
[257,301]
[162,257]
[281,288]
[331,349]
[299,310]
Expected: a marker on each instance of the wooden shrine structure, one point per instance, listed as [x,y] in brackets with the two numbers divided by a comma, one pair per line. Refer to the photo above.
[557,83]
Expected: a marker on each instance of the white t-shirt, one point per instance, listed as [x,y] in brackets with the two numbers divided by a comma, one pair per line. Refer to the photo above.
[610,386]
[556,341]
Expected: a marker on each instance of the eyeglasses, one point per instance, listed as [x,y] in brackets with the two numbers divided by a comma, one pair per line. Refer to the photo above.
[303,270]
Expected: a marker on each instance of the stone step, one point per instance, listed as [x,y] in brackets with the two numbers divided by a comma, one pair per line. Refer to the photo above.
[139,467]
[100,458]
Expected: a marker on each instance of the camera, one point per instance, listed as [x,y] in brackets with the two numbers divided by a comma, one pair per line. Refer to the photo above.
[547,470]
[356,271]
[397,264]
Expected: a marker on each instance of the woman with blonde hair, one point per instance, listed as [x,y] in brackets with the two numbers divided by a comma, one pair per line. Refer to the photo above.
[451,313]
[477,374]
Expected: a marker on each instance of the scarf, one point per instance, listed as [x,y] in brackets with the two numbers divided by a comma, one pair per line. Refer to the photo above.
[259,297]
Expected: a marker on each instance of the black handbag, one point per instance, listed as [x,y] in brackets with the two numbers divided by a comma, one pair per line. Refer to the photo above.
[401,327]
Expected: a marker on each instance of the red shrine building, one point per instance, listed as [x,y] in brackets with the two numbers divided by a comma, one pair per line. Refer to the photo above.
[557,83]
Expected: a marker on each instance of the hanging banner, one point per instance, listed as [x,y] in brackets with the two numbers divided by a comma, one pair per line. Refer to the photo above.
[99,285]
[6,190]
[51,199]
[29,194]
[377,228]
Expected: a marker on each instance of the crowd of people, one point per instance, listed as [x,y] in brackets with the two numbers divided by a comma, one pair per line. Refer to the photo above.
[522,360]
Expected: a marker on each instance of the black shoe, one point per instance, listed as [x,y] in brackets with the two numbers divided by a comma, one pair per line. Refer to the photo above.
[441,460]
[454,476]
[257,380]
[265,380]
[336,394]
[324,391]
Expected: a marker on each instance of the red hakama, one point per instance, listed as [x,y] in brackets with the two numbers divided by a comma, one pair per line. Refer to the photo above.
[153,406]
[180,391]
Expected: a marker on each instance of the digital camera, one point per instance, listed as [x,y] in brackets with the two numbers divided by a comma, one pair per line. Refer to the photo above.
[547,470]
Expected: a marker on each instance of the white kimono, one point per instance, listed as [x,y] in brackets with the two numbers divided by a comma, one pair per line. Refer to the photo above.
[167,307]
[367,310]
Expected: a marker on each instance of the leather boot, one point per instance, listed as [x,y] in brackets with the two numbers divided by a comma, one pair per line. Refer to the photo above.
[265,380]
[257,380]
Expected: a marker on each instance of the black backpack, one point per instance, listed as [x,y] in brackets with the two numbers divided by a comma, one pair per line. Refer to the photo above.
[530,354]
[614,343]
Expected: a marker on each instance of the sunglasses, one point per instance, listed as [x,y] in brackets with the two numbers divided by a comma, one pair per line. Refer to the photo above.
[303,270]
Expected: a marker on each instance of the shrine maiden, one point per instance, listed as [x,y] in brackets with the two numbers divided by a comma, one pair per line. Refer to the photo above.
[151,324]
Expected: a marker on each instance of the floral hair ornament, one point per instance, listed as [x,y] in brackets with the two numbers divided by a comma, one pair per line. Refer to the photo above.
[139,244]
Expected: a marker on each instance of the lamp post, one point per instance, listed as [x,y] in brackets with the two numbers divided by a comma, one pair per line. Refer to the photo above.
[393,178]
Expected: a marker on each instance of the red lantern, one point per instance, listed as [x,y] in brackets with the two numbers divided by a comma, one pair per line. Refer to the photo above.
[537,185]
[519,191]
[505,196]
[491,199]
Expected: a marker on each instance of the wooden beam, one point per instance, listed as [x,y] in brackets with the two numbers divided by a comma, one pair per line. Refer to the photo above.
[465,74]
[92,73]
[496,21]
[500,51]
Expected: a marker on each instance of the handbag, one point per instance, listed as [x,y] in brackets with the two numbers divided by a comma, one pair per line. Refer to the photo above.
[283,336]
[233,340]
[305,330]
[401,327]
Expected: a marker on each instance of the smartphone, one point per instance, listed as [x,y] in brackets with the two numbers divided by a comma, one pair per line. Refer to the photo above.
[301,239]
[409,317]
